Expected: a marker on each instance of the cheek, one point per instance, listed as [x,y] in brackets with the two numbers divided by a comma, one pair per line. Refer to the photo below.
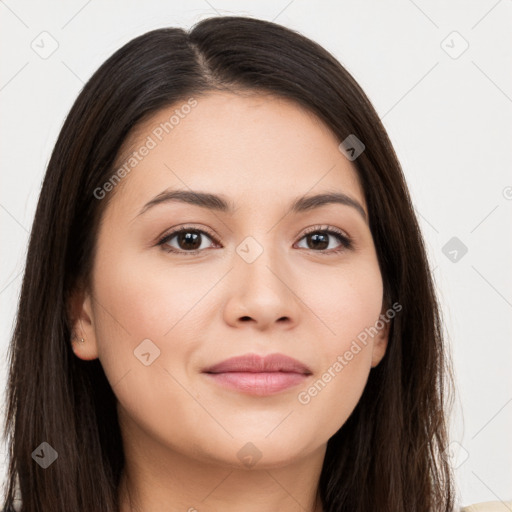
[135,302]
[147,300]
[342,300]
[347,307]
[149,316]
[328,401]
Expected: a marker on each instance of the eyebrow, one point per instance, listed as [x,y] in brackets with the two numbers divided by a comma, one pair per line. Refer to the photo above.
[221,204]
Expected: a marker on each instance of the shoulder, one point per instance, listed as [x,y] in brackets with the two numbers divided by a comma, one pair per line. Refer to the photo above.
[488,506]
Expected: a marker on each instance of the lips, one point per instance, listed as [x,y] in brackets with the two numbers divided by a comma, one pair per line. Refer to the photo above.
[256,375]
[253,363]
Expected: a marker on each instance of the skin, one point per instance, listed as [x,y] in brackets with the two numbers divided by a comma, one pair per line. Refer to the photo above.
[181,432]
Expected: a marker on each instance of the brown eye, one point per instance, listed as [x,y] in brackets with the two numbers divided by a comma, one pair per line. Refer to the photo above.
[191,240]
[187,240]
[318,240]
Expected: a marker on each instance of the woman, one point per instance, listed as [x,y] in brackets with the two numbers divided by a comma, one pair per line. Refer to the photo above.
[227,302]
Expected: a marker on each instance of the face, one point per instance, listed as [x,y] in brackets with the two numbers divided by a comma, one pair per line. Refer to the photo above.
[248,275]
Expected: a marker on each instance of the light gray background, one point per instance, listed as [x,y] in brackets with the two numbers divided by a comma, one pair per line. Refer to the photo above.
[448,115]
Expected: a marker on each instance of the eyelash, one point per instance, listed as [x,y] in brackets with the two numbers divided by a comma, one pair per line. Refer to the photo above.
[346,242]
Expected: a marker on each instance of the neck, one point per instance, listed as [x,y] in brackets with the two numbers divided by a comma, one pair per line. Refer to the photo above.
[168,481]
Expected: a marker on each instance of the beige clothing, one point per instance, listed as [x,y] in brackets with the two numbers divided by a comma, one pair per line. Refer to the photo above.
[489,506]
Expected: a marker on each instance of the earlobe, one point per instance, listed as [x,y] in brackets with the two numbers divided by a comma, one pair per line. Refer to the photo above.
[83,335]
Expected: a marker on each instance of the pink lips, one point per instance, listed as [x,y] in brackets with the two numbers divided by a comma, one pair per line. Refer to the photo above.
[257,375]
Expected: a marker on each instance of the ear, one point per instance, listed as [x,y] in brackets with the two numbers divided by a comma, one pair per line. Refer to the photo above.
[380,341]
[82,323]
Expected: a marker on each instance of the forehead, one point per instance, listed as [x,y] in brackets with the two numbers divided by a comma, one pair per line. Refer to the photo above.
[249,147]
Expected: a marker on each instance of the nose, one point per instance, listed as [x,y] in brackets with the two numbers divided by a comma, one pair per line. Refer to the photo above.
[260,290]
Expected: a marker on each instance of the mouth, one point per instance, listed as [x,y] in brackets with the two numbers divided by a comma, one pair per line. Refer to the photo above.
[257,375]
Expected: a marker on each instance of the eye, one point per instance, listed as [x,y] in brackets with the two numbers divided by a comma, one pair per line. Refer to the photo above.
[189,240]
[318,239]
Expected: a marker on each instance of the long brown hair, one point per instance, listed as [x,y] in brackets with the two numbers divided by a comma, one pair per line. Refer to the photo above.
[388,456]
